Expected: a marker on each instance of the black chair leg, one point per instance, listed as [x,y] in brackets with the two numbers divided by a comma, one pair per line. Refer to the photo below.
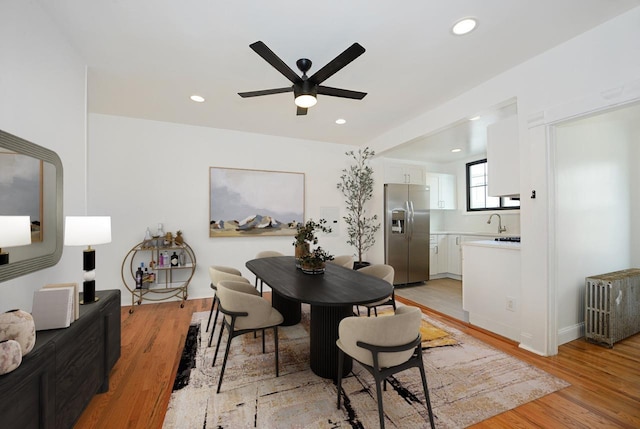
[380,410]
[339,381]
[224,362]
[215,322]
[259,280]
[213,304]
[275,340]
[426,395]
[215,356]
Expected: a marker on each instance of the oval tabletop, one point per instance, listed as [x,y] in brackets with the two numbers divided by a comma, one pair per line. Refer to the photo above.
[338,286]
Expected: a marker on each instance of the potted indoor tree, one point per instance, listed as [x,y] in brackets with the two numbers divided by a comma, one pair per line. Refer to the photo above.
[356,184]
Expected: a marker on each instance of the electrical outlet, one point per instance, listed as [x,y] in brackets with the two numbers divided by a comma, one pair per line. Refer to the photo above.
[511,303]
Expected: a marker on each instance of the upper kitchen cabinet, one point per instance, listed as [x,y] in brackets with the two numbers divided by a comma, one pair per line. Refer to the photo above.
[503,158]
[442,191]
[403,173]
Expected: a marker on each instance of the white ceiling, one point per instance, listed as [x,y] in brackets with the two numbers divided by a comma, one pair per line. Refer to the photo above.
[146,57]
[468,134]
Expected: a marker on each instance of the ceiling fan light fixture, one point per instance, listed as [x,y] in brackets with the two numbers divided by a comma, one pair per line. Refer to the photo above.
[305,100]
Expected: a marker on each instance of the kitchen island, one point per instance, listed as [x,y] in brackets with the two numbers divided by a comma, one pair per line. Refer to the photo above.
[491,286]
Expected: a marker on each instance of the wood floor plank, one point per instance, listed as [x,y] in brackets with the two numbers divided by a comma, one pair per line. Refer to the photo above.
[604,390]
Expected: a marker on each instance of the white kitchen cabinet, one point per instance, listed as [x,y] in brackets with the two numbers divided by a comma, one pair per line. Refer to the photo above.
[454,254]
[404,173]
[437,254]
[442,191]
[491,286]
[466,239]
[503,158]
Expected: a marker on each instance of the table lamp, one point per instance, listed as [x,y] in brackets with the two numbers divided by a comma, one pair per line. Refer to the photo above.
[14,231]
[87,231]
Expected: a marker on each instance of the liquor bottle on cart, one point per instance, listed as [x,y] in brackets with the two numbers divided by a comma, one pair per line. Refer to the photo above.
[139,277]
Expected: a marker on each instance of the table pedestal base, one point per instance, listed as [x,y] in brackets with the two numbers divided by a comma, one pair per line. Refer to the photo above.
[290,310]
[324,333]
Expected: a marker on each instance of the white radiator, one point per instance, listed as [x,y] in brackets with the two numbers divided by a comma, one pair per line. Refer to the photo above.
[612,303]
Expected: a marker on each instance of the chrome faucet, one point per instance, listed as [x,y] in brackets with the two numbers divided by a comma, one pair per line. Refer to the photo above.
[501,228]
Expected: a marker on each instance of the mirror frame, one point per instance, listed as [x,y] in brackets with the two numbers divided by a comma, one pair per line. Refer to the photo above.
[20,268]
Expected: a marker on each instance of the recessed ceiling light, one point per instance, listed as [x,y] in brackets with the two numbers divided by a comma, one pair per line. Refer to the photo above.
[341,121]
[197,98]
[475,118]
[456,150]
[464,26]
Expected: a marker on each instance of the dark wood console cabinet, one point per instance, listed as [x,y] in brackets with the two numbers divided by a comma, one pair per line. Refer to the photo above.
[59,377]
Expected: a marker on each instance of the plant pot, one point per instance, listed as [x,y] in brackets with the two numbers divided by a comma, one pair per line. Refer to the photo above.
[360,264]
[300,251]
[313,268]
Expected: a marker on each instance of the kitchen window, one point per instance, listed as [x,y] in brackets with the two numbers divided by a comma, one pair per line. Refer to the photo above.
[477,189]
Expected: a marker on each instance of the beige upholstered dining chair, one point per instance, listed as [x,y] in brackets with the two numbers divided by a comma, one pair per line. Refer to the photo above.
[266,254]
[384,346]
[217,273]
[343,260]
[244,312]
[386,273]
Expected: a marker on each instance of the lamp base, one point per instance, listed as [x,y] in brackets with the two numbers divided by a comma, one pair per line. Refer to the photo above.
[96,299]
[88,292]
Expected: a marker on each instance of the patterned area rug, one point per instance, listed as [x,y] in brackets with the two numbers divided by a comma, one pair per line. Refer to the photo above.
[468,382]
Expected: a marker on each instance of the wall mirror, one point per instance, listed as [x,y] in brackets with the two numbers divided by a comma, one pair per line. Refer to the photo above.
[46,247]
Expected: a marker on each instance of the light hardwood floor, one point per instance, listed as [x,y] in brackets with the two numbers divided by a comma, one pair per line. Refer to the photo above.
[604,391]
[443,295]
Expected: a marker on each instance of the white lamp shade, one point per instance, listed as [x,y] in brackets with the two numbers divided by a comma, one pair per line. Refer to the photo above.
[15,231]
[87,230]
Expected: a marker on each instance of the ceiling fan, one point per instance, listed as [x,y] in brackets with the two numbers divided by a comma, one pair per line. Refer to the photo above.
[305,89]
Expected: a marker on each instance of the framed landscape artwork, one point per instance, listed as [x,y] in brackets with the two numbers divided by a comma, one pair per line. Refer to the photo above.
[21,189]
[254,202]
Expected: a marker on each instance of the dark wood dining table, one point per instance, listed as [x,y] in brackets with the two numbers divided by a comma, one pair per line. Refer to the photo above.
[331,296]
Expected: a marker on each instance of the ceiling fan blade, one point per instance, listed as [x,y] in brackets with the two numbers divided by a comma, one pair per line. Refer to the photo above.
[301,111]
[337,92]
[265,92]
[349,54]
[269,56]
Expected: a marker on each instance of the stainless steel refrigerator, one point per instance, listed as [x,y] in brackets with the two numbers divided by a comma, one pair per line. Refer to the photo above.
[406,232]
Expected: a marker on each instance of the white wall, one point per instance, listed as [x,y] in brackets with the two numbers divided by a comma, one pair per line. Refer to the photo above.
[145,172]
[594,195]
[634,129]
[606,57]
[42,99]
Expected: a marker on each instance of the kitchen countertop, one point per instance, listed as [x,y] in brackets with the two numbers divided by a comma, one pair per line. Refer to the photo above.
[480,234]
[511,245]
